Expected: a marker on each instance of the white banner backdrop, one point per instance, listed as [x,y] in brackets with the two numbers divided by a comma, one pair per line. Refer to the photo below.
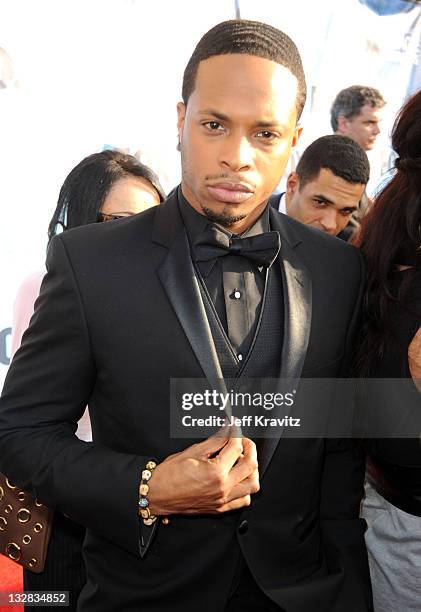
[346,43]
[87,73]
[90,73]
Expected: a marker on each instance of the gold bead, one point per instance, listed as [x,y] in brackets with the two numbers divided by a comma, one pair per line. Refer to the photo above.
[149,521]
[165,521]
[144,489]
[145,513]
[151,465]
[146,474]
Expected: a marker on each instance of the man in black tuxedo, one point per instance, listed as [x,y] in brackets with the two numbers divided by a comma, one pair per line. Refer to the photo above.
[213,283]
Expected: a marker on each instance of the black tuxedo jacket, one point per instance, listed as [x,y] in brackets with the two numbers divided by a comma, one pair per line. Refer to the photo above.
[118,315]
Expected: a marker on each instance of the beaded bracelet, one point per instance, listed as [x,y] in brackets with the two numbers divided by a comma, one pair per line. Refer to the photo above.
[145,513]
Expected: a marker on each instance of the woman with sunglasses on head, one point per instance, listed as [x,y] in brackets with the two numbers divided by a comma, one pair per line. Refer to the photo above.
[390,359]
[103,187]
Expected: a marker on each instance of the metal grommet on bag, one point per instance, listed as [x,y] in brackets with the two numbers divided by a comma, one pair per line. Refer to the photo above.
[23,515]
[25,526]
[13,551]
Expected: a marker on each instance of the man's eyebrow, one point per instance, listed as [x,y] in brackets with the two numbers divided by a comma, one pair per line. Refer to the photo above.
[268,124]
[222,117]
[214,113]
[326,200]
[322,198]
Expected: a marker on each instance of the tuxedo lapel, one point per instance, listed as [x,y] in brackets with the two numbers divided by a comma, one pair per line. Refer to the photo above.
[297,308]
[297,291]
[180,283]
[297,299]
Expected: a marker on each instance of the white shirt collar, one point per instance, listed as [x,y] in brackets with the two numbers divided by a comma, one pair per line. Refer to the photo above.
[282,204]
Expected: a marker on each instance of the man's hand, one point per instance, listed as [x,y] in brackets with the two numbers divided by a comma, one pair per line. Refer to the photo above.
[214,476]
[414,359]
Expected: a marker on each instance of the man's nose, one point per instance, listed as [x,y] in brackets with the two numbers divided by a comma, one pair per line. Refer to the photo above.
[329,221]
[376,129]
[237,154]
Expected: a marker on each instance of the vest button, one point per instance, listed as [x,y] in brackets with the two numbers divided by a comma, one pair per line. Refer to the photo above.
[243,527]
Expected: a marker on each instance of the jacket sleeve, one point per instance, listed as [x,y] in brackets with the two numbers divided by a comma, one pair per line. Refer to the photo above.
[342,489]
[45,393]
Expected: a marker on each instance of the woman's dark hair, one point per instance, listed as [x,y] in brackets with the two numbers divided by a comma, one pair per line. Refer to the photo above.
[86,187]
[391,233]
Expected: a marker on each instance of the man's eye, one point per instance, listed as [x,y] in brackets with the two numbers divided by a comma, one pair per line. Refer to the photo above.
[319,203]
[266,135]
[346,212]
[213,126]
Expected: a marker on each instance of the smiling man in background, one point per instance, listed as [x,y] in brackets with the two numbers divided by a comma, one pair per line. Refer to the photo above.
[213,283]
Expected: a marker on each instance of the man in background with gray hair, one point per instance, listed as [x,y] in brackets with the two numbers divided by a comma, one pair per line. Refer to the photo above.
[356,112]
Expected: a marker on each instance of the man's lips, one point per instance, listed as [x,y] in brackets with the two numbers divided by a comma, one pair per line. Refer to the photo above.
[232,193]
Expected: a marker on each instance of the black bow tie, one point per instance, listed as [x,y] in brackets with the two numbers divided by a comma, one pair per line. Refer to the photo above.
[213,243]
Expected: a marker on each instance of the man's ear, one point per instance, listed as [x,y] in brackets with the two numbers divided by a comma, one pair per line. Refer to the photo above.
[297,133]
[181,115]
[293,183]
[342,124]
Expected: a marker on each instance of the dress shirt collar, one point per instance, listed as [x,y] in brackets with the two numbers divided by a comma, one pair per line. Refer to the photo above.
[282,204]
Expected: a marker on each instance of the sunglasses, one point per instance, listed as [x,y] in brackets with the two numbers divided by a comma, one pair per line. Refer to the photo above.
[102,217]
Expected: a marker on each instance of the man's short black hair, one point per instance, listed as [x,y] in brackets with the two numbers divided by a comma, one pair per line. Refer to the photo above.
[350,101]
[251,38]
[341,155]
